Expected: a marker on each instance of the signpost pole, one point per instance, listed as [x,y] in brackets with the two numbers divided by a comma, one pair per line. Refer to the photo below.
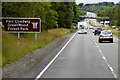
[18,35]
[18,38]
[35,36]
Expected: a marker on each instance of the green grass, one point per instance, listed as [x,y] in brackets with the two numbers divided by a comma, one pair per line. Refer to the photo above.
[12,51]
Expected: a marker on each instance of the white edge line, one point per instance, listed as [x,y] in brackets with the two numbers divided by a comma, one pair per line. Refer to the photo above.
[43,71]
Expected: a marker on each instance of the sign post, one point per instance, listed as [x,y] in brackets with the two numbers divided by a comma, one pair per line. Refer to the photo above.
[35,36]
[18,35]
[22,25]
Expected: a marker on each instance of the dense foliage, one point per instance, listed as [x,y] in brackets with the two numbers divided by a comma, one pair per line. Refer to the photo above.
[113,13]
[95,7]
[51,13]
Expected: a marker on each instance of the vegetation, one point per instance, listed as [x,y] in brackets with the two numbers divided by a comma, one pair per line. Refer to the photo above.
[113,13]
[96,7]
[13,51]
[51,13]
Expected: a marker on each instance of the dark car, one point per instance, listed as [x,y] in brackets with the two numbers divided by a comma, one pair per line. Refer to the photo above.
[97,31]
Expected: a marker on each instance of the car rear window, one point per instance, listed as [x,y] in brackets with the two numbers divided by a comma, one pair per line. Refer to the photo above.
[99,28]
[106,32]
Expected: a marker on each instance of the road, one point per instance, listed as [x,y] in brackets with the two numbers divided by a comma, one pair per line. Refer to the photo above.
[84,57]
[81,57]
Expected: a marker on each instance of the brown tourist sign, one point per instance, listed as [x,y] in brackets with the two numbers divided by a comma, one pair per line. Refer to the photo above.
[22,25]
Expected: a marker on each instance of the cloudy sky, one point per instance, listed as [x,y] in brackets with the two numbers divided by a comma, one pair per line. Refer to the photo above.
[95,1]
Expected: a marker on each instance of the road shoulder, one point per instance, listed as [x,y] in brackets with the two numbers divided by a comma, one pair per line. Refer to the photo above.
[24,65]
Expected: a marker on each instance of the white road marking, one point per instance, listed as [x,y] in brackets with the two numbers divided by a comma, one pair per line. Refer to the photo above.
[100,50]
[111,69]
[43,71]
[104,58]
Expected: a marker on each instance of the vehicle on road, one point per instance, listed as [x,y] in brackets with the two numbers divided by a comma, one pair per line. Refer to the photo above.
[106,36]
[91,27]
[106,23]
[98,31]
[94,30]
[114,27]
[82,30]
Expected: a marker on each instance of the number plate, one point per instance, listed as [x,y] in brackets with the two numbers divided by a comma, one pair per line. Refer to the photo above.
[106,36]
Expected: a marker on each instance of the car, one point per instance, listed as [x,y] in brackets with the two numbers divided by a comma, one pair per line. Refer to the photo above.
[91,27]
[119,28]
[94,30]
[98,31]
[82,30]
[106,36]
[114,27]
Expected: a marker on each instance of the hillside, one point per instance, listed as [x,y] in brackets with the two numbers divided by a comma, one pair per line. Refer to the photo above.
[95,7]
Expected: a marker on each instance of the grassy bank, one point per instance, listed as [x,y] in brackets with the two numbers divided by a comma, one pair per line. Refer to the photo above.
[12,51]
[114,31]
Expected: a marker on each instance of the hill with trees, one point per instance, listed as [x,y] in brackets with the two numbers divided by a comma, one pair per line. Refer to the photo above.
[113,13]
[95,7]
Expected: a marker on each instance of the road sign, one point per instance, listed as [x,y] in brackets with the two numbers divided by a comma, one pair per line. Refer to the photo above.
[22,25]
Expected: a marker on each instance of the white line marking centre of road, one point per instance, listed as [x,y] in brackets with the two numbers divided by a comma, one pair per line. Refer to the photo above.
[111,69]
[43,71]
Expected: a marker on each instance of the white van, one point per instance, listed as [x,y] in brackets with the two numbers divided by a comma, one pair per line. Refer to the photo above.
[106,23]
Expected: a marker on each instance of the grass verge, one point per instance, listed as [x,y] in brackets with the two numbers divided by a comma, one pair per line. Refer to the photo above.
[13,51]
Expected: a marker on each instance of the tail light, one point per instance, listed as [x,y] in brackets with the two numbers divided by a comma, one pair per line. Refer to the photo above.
[100,35]
[111,35]
[95,29]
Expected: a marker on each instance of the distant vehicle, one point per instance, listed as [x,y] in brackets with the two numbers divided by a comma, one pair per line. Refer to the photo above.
[91,27]
[119,28]
[82,30]
[94,30]
[102,23]
[114,27]
[106,36]
[97,31]
[106,23]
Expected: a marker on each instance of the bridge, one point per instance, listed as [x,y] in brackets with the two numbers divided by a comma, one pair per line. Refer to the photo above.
[100,18]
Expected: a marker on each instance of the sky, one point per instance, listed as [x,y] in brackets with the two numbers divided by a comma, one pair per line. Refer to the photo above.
[95,1]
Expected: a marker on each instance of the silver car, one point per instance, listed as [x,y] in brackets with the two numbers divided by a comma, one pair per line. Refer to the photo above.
[106,36]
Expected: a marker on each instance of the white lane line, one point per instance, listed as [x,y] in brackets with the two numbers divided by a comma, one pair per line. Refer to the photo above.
[111,69]
[104,58]
[43,71]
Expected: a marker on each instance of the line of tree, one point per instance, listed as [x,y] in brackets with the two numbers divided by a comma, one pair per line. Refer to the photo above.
[113,13]
[51,13]
[95,7]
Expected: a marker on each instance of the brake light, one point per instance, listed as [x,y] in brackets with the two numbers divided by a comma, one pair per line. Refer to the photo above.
[100,35]
[111,35]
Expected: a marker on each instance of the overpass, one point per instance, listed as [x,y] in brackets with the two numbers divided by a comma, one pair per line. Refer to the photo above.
[100,18]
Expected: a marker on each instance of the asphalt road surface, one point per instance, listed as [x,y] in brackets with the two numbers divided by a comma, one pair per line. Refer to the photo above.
[83,57]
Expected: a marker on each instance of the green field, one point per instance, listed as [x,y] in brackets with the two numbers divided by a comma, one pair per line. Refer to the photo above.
[11,51]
